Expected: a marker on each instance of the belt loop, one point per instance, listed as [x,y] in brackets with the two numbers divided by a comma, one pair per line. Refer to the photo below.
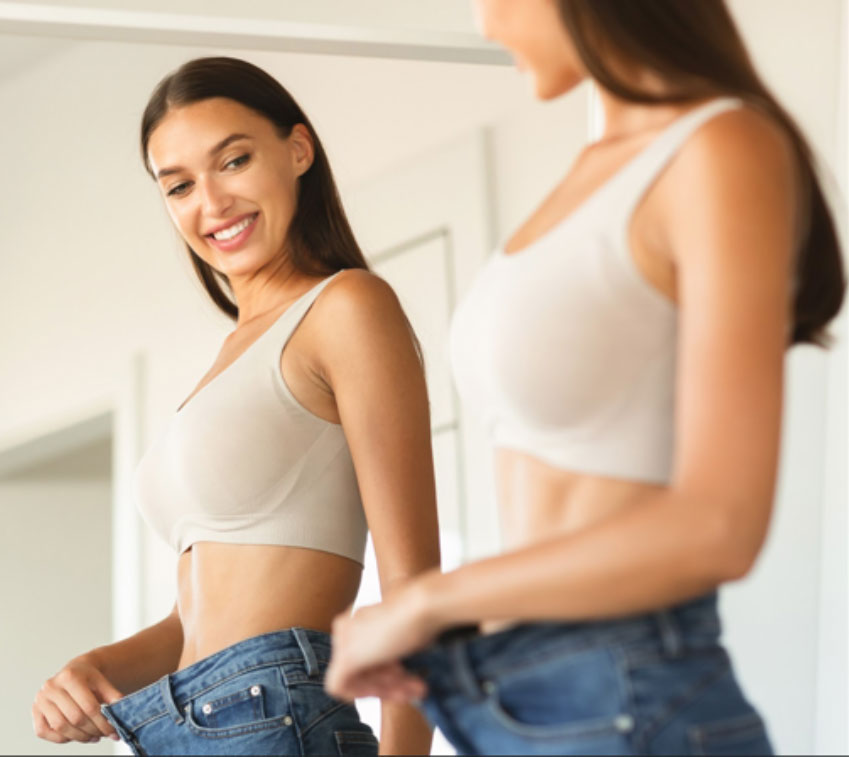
[463,670]
[168,699]
[307,651]
[670,634]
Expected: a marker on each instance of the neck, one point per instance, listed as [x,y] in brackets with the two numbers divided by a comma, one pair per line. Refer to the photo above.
[622,118]
[267,289]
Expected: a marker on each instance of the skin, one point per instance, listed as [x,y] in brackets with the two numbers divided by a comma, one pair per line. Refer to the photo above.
[577,542]
[337,366]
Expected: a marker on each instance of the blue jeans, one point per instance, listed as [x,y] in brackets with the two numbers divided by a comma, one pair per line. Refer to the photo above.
[264,695]
[658,683]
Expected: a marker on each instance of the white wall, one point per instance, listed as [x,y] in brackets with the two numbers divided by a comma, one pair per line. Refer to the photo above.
[55,551]
[779,618]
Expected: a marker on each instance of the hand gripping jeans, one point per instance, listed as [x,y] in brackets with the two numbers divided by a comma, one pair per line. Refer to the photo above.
[658,683]
[264,695]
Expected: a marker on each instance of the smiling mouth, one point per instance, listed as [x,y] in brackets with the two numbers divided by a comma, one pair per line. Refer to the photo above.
[225,235]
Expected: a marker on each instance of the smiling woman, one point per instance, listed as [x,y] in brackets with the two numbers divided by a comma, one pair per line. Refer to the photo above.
[269,129]
[311,428]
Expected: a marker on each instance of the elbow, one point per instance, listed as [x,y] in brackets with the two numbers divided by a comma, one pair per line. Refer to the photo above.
[730,549]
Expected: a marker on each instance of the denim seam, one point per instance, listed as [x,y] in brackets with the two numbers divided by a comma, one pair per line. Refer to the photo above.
[238,673]
[651,655]
[627,692]
[581,729]
[460,740]
[700,733]
[355,737]
[655,725]
[149,720]
[323,716]
[553,653]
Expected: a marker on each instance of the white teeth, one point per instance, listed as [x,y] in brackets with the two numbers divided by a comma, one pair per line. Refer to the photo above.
[232,231]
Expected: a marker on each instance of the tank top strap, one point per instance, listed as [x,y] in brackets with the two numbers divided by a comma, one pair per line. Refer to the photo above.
[648,165]
[281,331]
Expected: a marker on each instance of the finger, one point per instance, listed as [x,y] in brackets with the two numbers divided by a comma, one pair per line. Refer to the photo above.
[57,722]
[90,705]
[387,682]
[43,730]
[104,689]
[74,714]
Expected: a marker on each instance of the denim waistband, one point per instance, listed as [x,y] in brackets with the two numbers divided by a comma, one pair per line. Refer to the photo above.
[170,693]
[688,625]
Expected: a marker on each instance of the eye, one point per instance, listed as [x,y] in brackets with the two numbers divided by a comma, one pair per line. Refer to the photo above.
[179,189]
[236,162]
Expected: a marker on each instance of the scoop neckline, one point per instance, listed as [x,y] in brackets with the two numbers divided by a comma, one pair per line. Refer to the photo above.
[592,197]
[192,397]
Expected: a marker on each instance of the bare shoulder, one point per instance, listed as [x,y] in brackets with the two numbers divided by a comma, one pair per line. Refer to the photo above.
[357,287]
[737,172]
[358,300]
[744,144]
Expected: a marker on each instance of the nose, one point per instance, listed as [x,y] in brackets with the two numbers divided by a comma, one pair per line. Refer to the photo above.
[215,200]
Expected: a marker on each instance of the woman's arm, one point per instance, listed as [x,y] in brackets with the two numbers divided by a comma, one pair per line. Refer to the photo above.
[144,657]
[731,231]
[67,708]
[370,362]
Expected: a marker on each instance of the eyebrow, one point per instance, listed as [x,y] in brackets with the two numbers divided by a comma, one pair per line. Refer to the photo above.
[216,149]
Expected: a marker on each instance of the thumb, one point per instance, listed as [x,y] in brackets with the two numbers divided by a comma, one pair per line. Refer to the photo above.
[105,691]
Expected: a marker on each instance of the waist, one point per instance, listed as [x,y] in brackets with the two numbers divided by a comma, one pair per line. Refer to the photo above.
[227,593]
[294,653]
[538,501]
[671,631]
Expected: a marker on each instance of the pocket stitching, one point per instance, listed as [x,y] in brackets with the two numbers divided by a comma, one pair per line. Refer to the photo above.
[238,730]
[354,738]
[582,729]
[738,726]
[237,697]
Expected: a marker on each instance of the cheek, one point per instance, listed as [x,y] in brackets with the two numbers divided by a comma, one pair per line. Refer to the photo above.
[181,215]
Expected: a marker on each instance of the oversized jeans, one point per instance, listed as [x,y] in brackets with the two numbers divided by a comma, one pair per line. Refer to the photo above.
[264,695]
[659,683]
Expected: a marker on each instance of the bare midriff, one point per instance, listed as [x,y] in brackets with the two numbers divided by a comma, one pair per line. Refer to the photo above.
[231,592]
[538,501]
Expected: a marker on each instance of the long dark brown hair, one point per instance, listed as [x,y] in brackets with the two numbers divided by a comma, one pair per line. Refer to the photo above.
[695,47]
[319,240]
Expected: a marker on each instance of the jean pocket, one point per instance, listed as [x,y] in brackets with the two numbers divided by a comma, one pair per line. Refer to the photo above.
[244,703]
[356,743]
[576,695]
[743,734]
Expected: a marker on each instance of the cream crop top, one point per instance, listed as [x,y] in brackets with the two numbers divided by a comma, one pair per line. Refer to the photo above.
[564,349]
[243,462]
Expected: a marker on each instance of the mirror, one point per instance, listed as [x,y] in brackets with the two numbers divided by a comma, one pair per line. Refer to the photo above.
[439,151]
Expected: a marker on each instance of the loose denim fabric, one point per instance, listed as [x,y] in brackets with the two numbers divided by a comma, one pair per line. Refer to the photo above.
[659,683]
[264,695]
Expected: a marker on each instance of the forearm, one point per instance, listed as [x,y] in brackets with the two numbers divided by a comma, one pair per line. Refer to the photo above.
[655,553]
[143,658]
[403,730]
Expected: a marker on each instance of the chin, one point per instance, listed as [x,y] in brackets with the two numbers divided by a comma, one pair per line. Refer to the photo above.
[549,88]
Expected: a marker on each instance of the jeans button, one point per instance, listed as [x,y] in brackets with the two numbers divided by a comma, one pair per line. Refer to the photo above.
[255,691]
[206,709]
[287,720]
[624,723]
[488,687]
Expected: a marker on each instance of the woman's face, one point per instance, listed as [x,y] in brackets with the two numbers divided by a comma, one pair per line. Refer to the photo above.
[533,32]
[229,181]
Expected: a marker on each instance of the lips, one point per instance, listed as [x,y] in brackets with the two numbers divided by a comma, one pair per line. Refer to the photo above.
[234,233]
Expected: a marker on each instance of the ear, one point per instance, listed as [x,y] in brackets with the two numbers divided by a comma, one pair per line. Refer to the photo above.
[303,150]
